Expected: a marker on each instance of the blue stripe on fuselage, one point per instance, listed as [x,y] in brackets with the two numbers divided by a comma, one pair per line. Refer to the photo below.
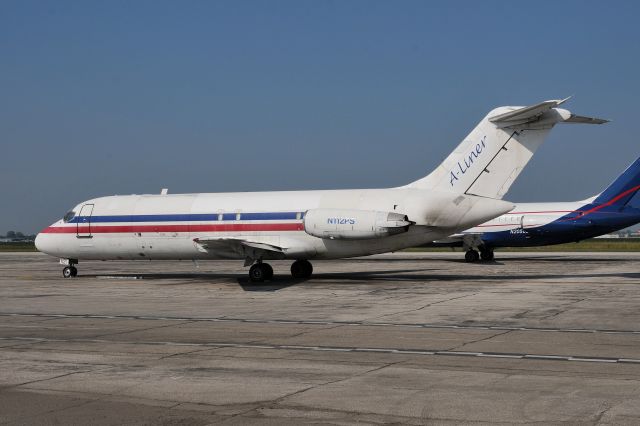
[206,217]
[571,227]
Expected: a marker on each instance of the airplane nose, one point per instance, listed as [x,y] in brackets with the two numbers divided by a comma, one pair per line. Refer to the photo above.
[38,242]
[43,243]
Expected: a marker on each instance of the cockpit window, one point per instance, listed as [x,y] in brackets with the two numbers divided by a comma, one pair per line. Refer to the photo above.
[69,216]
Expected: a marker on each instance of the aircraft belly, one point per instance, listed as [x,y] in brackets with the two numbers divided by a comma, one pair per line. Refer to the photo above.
[418,235]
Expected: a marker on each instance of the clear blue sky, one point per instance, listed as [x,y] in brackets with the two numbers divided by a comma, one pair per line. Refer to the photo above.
[101,98]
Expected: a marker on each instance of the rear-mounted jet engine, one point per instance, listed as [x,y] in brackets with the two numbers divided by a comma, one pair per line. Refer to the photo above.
[354,224]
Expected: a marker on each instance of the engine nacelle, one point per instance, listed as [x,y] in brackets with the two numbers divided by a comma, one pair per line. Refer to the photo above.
[354,224]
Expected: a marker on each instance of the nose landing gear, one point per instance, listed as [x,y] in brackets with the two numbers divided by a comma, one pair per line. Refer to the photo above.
[69,271]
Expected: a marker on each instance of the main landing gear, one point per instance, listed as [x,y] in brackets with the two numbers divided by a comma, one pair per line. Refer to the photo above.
[260,272]
[471,256]
[301,269]
[485,254]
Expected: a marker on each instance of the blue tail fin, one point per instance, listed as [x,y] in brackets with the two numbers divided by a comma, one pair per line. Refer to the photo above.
[622,190]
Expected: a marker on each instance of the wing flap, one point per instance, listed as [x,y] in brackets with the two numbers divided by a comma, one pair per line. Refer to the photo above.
[239,247]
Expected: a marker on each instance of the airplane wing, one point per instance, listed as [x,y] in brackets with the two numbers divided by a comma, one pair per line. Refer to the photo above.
[234,247]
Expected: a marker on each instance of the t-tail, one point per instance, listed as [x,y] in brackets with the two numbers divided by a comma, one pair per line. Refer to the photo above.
[490,158]
[621,190]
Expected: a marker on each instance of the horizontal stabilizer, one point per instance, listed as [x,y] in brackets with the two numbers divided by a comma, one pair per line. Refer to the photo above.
[540,113]
[580,119]
[526,114]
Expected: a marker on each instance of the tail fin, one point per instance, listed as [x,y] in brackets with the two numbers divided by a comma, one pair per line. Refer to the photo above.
[621,190]
[492,156]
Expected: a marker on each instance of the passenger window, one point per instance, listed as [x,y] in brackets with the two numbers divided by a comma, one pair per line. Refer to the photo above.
[220,216]
[298,216]
[69,216]
[237,216]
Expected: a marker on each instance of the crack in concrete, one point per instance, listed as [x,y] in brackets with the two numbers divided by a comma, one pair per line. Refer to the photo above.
[186,353]
[141,329]
[276,402]
[50,378]
[302,333]
[425,306]
[479,340]
[562,309]
[602,413]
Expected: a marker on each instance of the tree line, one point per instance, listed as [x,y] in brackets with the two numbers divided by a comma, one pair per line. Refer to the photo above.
[19,236]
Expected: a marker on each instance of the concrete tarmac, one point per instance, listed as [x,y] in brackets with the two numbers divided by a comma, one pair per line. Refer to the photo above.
[539,338]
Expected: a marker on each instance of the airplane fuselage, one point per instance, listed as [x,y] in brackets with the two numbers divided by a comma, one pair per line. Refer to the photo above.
[170,226]
[538,224]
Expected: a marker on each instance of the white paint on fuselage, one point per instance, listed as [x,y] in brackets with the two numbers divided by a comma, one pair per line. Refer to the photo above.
[528,215]
[436,214]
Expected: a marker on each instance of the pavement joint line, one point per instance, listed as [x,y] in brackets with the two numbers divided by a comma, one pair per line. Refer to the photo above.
[573,358]
[331,349]
[351,323]
[501,356]
[558,357]
[463,353]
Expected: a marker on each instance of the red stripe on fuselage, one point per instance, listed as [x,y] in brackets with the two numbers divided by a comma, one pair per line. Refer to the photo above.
[121,229]
[612,201]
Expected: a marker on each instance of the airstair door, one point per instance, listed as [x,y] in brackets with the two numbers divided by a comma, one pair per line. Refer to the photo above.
[84,221]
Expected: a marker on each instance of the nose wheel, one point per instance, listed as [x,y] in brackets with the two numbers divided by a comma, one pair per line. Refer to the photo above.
[69,271]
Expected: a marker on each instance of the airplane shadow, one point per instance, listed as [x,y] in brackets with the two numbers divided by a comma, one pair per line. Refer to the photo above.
[416,275]
[395,276]
[274,285]
[500,260]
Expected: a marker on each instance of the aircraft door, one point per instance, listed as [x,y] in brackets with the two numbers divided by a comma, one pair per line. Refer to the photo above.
[83,229]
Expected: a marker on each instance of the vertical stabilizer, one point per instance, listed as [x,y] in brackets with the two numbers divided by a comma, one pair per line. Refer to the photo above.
[491,157]
[622,190]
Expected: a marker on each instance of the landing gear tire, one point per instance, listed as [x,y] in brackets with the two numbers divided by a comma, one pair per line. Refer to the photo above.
[69,272]
[268,270]
[301,269]
[486,255]
[260,272]
[471,256]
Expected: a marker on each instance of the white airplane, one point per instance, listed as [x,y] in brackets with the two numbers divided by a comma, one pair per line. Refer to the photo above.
[464,191]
